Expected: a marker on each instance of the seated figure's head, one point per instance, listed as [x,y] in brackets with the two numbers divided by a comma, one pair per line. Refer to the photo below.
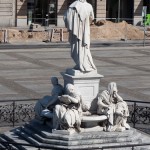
[54,80]
[112,87]
[70,88]
[82,1]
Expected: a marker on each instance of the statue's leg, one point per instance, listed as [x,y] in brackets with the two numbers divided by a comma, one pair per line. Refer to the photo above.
[58,114]
[110,122]
[125,124]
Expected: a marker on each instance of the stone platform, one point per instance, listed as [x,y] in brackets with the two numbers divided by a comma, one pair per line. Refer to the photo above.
[92,138]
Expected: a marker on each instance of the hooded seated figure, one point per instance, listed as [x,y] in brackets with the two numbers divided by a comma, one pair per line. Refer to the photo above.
[113,106]
[44,106]
[68,113]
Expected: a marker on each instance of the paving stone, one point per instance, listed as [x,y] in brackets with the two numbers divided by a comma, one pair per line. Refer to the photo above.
[25,73]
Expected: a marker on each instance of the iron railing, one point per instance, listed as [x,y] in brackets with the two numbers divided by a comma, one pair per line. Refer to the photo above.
[17,112]
[139,115]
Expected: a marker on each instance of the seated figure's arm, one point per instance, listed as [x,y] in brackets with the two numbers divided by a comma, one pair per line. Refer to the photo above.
[101,103]
[69,99]
[102,106]
[52,100]
[118,97]
[74,100]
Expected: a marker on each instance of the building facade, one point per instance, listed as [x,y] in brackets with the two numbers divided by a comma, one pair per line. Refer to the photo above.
[50,12]
[7,13]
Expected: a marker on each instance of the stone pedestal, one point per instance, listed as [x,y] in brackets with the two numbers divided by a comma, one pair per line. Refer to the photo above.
[93,138]
[87,85]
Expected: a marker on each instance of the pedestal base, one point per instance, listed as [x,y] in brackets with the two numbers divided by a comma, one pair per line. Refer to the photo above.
[92,138]
[87,85]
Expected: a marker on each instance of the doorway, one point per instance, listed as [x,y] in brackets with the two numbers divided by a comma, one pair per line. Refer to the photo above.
[119,10]
[147,3]
[43,12]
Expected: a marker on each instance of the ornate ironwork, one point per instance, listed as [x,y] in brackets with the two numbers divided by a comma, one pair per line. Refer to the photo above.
[139,113]
[18,112]
[14,113]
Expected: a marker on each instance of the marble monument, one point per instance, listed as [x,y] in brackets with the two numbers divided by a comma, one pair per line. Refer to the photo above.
[81,105]
[76,116]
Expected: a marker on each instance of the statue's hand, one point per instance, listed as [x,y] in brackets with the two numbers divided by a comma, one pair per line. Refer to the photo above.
[65,96]
[65,99]
[119,113]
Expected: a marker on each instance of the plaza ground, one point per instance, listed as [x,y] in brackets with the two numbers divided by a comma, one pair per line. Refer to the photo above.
[26,69]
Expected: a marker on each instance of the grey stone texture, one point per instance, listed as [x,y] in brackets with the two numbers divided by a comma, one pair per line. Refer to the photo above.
[25,72]
[7,13]
[38,134]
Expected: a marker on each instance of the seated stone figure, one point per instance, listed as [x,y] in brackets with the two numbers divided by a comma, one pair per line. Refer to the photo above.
[113,106]
[68,113]
[45,105]
[121,114]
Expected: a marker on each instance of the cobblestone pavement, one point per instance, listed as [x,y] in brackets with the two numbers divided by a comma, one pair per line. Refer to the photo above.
[25,73]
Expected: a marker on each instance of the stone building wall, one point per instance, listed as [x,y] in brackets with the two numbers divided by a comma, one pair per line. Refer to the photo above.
[7,13]
[14,12]
[21,12]
[101,9]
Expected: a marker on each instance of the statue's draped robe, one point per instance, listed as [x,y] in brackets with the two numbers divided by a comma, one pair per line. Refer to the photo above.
[68,115]
[77,23]
[105,97]
[119,107]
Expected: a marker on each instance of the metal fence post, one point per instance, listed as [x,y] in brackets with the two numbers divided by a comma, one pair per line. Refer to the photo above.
[13,113]
[134,119]
[125,38]
[144,35]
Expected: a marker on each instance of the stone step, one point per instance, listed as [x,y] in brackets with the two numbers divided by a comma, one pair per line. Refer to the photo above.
[75,142]
[11,136]
[45,131]
[2,145]
[33,141]
[94,140]
[41,139]
[87,145]
[63,135]
[26,137]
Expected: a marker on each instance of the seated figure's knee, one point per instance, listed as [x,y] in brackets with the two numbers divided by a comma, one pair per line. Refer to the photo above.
[57,107]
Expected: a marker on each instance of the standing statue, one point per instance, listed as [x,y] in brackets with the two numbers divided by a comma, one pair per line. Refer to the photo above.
[46,104]
[114,107]
[77,21]
[67,114]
